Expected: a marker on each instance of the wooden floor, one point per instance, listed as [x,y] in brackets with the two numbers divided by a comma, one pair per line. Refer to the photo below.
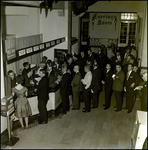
[99,129]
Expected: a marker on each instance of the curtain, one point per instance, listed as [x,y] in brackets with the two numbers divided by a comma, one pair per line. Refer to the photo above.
[26,42]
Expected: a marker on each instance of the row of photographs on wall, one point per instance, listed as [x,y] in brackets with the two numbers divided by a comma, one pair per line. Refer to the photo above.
[12,53]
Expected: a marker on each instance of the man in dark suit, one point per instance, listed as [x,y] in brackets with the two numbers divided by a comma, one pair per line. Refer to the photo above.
[131,81]
[118,85]
[101,60]
[108,81]
[65,83]
[95,85]
[71,65]
[90,58]
[76,88]
[43,96]
[83,59]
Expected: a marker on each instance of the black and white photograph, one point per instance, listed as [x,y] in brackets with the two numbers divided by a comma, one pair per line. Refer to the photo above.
[74,74]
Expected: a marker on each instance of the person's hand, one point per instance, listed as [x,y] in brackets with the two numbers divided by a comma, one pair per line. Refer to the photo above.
[82,80]
[35,90]
[132,85]
[31,82]
[92,91]
[113,76]
[125,89]
[138,88]
[103,82]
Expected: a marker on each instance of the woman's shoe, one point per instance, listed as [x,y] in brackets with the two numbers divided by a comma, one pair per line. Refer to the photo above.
[23,128]
[28,127]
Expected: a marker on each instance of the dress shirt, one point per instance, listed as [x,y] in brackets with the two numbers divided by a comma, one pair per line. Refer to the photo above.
[128,74]
[119,58]
[87,79]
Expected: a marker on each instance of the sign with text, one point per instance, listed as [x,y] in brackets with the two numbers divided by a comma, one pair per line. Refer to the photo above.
[104,25]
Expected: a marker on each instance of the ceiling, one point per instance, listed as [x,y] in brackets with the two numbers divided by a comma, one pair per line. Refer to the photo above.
[77,6]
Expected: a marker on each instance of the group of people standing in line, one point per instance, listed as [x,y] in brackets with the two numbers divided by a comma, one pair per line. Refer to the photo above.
[81,78]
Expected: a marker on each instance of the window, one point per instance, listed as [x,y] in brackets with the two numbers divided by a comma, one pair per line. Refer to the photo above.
[85,31]
[128,16]
[128,29]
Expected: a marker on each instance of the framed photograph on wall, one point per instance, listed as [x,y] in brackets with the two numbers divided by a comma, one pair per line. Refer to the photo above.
[29,50]
[36,48]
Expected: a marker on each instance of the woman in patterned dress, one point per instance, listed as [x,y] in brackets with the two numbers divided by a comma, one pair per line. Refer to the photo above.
[22,105]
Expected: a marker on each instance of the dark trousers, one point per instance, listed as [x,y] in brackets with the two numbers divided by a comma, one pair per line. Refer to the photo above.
[76,101]
[108,94]
[43,116]
[65,103]
[87,99]
[129,98]
[95,98]
[119,99]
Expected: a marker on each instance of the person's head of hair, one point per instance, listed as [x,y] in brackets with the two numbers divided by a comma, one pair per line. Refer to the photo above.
[44,58]
[19,79]
[64,64]
[108,66]
[26,64]
[49,62]
[42,72]
[76,68]
[99,48]
[55,59]
[130,66]
[87,68]
[135,67]
[82,53]
[11,74]
[10,71]
[128,49]
[64,68]
[118,66]
[133,47]
[74,57]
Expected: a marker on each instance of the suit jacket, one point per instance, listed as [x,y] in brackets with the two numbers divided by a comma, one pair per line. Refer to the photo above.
[118,61]
[83,60]
[70,67]
[76,82]
[133,78]
[91,59]
[96,79]
[65,84]
[108,77]
[43,89]
[101,60]
[118,82]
